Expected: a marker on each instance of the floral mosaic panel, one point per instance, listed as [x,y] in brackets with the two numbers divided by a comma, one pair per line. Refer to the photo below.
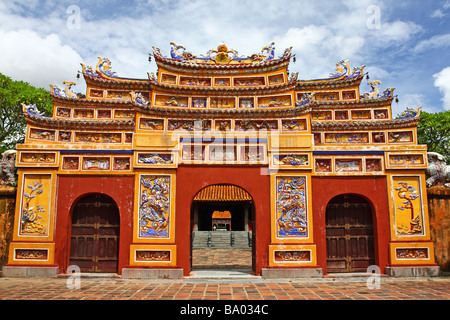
[408,206]
[34,217]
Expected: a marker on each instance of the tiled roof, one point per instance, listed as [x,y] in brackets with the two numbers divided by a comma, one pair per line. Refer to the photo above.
[223,192]
[221,215]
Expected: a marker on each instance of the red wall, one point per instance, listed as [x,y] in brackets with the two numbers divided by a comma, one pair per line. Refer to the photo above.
[70,189]
[373,189]
[191,179]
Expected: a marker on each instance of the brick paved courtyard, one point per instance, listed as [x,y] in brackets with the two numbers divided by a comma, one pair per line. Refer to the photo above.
[223,289]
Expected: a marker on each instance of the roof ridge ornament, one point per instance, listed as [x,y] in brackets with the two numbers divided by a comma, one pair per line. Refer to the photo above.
[342,69]
[267,53]
[31,109]
[103,68]
[410,113]
[375,91]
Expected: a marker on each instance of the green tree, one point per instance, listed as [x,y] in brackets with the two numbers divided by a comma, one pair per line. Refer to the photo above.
[434,131]
[12,121]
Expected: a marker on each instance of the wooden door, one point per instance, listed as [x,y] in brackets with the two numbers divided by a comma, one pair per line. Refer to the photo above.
[94,242]
[349,235]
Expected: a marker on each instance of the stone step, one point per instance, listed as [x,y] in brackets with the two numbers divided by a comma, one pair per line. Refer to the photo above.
[220,239]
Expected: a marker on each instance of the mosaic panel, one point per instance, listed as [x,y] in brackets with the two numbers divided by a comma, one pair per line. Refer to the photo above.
[411,253]
[276,79]
[407,159]
[275,101]
[223,103]
[29,157]
[151,124]
[257,125]
[155,158]
[291,207]
[341,115]
[252,153]
[71,163]
[171,101]
[292,255]
[48,135]
[346,137]
[400,136]
[293,125]
[63,112]
[152,255]
[121,163]
[348,165]
[246,103]
[323,165]
[193,152]
[247,82]
[31,254]
[94,137]
[96,163]
[64,136]
[291,159]
[154,206]
[34,216]
[222,82]
[373,165]
[408,206]
[190,81]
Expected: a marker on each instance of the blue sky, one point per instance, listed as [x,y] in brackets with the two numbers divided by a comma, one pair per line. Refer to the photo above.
[404,44]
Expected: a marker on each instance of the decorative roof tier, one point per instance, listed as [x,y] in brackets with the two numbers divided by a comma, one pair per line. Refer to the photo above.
[221,59]
[34,117]
[364,125]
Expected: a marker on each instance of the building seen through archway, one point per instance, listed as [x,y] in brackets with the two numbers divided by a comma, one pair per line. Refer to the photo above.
[221,219]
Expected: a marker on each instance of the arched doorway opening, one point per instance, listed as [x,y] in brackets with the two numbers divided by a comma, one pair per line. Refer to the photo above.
[94,241]
[349,234]
[222,227]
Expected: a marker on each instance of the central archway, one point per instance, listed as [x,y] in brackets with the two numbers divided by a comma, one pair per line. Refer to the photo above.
[222,228]
[349,234]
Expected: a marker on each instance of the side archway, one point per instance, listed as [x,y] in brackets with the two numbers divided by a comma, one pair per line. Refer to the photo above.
[95,230]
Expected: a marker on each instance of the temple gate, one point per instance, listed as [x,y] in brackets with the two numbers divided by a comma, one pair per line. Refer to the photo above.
[298,148]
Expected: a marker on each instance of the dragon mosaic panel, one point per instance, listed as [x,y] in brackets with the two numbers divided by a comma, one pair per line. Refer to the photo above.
[154,206]
[291,207]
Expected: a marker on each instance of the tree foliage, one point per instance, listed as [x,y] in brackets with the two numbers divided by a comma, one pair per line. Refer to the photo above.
[434,131]
[12,121]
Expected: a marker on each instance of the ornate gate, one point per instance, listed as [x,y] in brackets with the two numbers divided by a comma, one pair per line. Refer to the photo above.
[94,242]
[349,234]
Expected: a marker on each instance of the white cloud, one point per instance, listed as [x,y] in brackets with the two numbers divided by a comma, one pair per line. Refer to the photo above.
[41,61]
[442,81]
[437,14]
[398,30]
[438,41]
